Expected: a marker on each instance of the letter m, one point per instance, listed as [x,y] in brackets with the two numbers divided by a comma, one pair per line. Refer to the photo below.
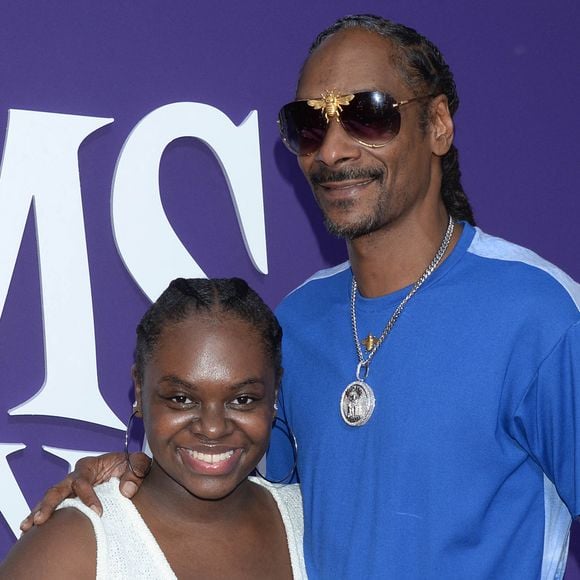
[40,169]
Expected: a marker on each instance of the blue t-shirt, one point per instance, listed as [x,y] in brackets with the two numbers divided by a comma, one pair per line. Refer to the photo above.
[470,464]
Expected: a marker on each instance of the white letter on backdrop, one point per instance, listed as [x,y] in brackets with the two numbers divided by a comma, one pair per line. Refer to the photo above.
[13,506]
[71,456]
[40,163]
[151,250]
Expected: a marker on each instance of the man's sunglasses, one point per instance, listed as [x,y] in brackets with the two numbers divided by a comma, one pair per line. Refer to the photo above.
[372,118]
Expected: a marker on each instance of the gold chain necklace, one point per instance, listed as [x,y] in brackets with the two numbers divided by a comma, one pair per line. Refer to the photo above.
[357,402]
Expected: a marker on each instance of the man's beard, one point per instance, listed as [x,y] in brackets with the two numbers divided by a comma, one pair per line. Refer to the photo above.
[367,224]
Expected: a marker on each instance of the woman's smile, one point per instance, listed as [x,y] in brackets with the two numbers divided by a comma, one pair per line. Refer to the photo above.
[211,462]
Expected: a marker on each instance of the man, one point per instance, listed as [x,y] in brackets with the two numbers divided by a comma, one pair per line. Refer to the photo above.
[431,381]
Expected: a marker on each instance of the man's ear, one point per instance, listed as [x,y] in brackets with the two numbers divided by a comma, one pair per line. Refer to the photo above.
[441,126]
[137,405]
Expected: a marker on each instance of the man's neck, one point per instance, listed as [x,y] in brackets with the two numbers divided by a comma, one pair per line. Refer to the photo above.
[396,256]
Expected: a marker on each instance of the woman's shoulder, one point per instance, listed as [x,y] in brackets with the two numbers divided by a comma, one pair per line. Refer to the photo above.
[63,547]
[109,495]
[286,490]
[289,501]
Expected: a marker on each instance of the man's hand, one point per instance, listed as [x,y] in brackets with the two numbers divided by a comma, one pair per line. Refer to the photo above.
[88,472]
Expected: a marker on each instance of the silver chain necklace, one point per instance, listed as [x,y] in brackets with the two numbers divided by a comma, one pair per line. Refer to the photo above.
[357,402]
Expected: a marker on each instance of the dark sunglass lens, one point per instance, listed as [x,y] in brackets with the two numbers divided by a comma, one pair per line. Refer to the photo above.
[372,118]
[302,127]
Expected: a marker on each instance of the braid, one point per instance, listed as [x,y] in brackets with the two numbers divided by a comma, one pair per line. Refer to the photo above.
[424,70]
[185,298]
[452,193]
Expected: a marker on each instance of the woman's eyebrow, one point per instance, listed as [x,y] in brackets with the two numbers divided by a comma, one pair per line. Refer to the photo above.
[178,381]
[247,382]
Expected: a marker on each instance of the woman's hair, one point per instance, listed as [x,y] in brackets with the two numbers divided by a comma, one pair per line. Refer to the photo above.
[184,298]
[424,70]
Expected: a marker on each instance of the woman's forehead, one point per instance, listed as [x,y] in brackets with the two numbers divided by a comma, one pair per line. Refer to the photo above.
[209,326]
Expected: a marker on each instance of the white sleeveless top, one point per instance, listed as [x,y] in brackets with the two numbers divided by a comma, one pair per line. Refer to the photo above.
[127,549]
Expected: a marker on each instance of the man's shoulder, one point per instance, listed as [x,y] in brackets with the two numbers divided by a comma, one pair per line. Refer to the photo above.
[521,272]
[318,288]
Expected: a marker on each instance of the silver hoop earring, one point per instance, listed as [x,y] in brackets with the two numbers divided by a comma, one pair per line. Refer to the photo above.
[292,438]
[127,455]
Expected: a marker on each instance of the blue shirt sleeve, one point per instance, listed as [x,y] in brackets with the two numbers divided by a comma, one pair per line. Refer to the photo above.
[547,421]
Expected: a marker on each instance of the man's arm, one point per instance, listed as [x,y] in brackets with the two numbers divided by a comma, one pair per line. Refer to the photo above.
[547,420]
[88,472]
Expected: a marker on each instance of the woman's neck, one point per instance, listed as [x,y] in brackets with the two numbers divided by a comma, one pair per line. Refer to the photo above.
[160,496]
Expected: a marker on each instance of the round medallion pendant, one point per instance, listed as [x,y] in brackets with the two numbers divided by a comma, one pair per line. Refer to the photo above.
[357,404]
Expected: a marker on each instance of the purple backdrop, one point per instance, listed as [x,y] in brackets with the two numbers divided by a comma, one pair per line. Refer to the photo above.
[516,66]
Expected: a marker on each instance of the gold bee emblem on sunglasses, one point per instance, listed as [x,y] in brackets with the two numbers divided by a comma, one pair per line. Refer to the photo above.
[331,104]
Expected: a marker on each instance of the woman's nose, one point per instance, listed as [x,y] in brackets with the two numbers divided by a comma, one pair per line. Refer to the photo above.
[212,421]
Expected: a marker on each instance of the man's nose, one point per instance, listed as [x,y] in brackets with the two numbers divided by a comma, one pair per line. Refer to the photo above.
[337,146]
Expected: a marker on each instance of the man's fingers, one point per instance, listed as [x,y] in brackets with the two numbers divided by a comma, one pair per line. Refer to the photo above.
[131,480]
[28,521]
[46,506]
[86,493]
[88,471]
[91,471]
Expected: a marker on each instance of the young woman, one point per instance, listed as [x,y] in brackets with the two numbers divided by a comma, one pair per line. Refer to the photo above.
[206,374]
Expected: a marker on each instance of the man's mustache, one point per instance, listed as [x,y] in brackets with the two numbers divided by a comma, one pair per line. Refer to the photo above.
[323,175]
